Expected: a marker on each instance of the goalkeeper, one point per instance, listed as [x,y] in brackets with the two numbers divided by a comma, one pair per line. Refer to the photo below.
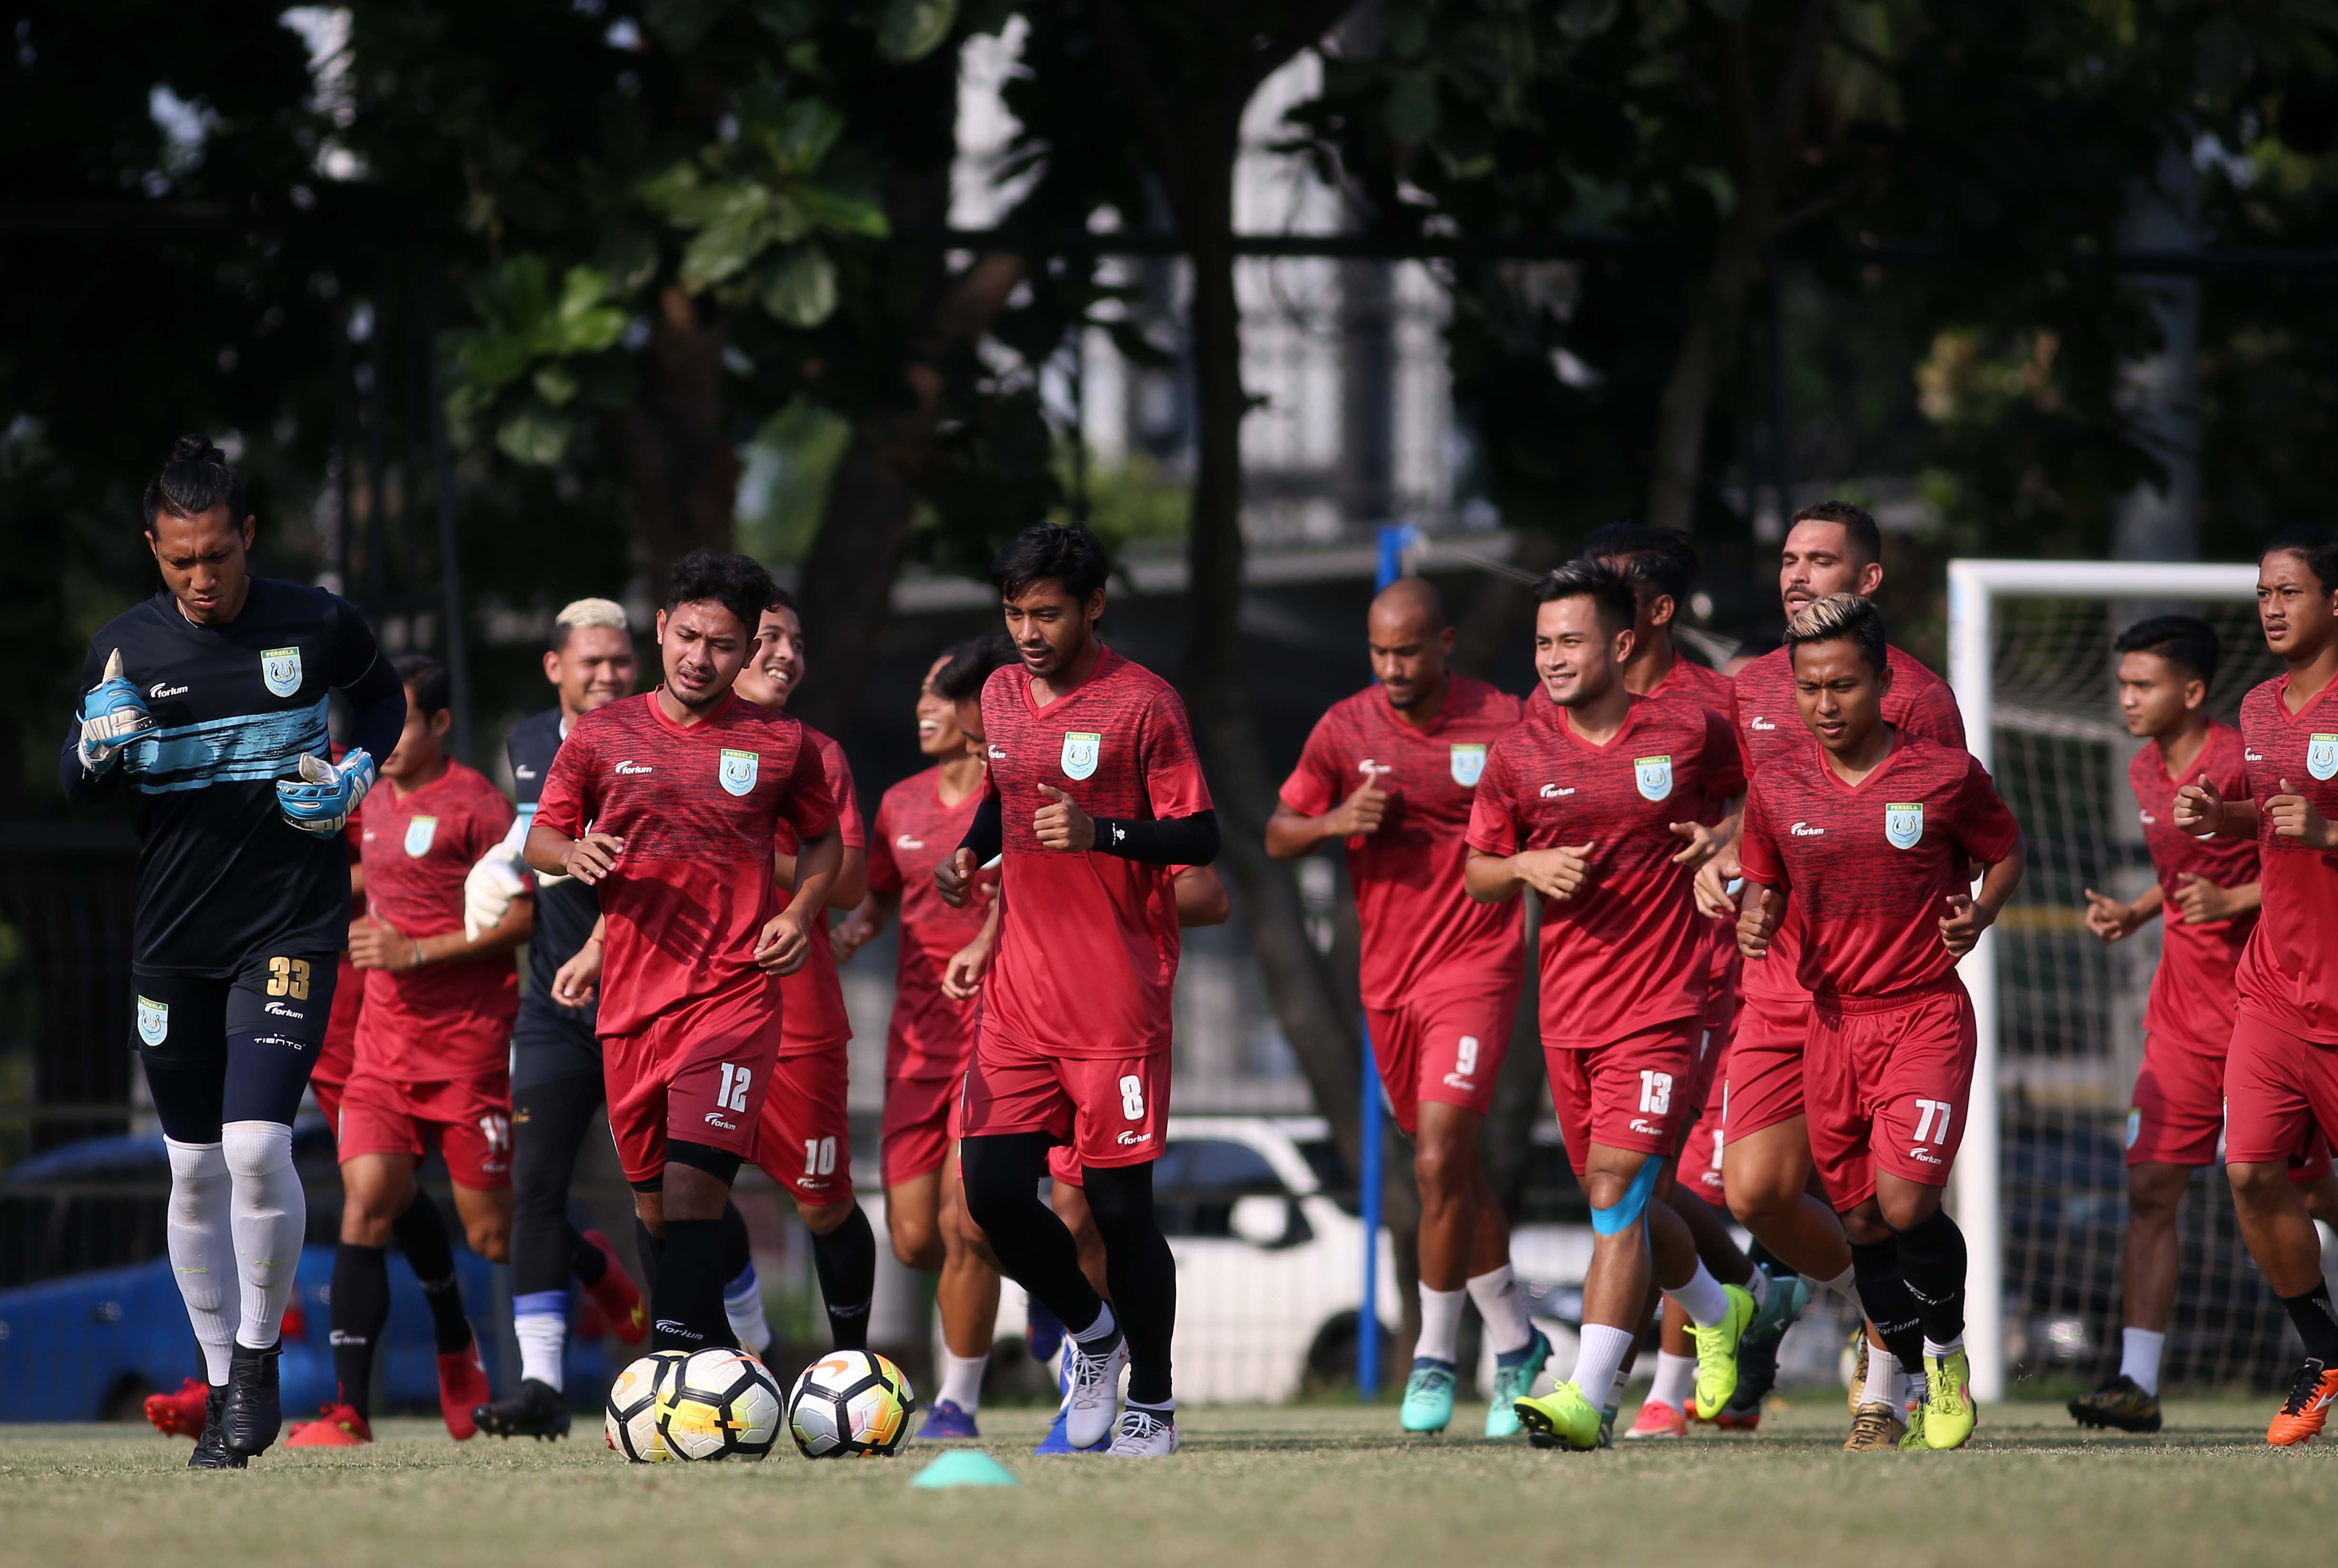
[207,705]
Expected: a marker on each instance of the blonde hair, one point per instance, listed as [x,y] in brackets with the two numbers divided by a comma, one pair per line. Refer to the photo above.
[587,612]
[1840,617]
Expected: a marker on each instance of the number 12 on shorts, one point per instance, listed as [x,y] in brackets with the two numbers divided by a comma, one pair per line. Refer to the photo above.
[732,1094]
[1925,1131]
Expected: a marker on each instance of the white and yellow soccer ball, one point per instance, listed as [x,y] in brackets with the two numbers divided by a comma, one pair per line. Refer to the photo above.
[629,1419]
[720,1404]
[850,1405]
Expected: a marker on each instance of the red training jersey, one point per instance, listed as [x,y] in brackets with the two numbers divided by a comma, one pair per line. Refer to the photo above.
[699,808]
[1710,689]
[812,1019]
[417,849]
[2194,993]
[2286,975]
[1087,943]
[1422,933]
[914,831]
[1869,864]
[1629,951]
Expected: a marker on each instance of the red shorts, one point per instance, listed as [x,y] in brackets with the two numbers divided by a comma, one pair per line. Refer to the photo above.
[2177,1117]
[1887,1091]
[469,1120]
[1699,1162]
[2280,1093]
[1765,1067]
[1112,1111]
[804,1139]
[1063,1165]
[1630,1093]
[1448,1048]
[337,1057]
[699,1073]
[914,1137]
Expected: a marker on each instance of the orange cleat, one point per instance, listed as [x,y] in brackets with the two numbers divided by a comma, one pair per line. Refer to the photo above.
[1657,1420]
[463,1387]
[619,1299]
[179,1414]
[2301,1416]
[338,1426]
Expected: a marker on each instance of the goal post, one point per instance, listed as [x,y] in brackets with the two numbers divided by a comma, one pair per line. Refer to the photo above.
[2038,675]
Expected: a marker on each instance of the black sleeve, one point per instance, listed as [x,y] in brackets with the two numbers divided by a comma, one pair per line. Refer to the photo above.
[80,788]
[377,701]
[1175,841]
[987,835]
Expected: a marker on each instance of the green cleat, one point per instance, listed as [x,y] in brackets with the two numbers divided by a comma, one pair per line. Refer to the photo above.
[1780,1308]
[1912,1441]
[1949,1414]
[1716,1351]
[1561,1418]
[1428,1398]
[1513,1383]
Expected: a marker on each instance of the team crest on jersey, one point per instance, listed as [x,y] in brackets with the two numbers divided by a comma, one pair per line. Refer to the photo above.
[280,668]
[1903,823]
[154,1021]
[2322,756]
[1081,750]
[1468,762]
[421,832]
[1653,775]
[738,770]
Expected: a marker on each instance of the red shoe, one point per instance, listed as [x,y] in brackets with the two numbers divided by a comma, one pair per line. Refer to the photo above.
[2301,1414]
[179,1414]
[339,1426]
[462,1386]
[1657,1421]
[619,1299]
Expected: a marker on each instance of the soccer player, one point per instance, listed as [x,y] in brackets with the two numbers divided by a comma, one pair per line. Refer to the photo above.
[670,805]
[2281,1069]
[556,1059]
[1584,802]
[431,1063]
[1093,793]
[806,1142]
[1874,845]
[1391,772]
[207,703]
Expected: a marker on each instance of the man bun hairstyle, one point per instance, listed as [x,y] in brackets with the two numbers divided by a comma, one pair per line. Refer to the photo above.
[1065,554]
[1841,618]
[737,582]
[1660,560]
[427,679]
[2313,543]
[2184,640]
[970,664]
[587,614]
[1858,525]
[193,479]
[1608,589]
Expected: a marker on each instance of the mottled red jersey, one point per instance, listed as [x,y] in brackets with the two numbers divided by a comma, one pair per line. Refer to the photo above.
[1711,689]
[1087,943]
[2287,976]
[1422,932]
[1869,864]
[1628,952]
[417,849]
[812,1019]
[2194,993]
[930,1034]
[700,810]
[1770,728]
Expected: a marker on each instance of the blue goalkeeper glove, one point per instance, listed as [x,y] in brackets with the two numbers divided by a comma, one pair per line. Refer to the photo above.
[112,715]
[321,799]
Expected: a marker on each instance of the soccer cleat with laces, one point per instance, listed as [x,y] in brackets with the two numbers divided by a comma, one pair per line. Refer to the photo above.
[1562,1419]
[1142,1435]
[2119,1402]
[1858,1369]
[1657,1420]
[336,1427]
[1514,1380]
[1093,1397]
[1716,1350]
[2301,1416]
[618,1296]
[535,1410]
[183,1414]
[1878,1427]
[462,1389]
[947,1421]
[1949,1414]
[211,1448]
[253,1412]
[1428,1398]
[1607,1423]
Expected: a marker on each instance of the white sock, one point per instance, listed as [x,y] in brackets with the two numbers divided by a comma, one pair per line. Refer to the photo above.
[1702,1297]
[1884,1384]
[1440,1324]
[1503,1306]
[1599,1359]
[2139,1351]
[1951,1348]
[269,1218]
[1102,1330]
[202,1253]
[742,1304]
[543,1341]
[1757,1286]
[962,1380]
[1841,1286]
[1675,1377]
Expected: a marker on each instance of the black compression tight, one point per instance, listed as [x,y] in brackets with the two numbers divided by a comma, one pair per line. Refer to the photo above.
[550,1122]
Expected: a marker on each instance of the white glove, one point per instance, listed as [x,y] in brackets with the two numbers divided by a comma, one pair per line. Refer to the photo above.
[489,889]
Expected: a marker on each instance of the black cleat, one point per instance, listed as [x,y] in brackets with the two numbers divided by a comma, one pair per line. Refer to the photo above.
[252,1413]
[2119,1402]
[211,1448]
[536,1410]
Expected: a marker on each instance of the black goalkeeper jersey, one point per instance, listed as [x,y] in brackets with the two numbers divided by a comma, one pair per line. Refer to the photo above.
[222,876]
[565,911]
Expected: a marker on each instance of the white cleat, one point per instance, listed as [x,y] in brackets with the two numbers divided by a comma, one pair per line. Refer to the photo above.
[1094,1395]
[1142,1434]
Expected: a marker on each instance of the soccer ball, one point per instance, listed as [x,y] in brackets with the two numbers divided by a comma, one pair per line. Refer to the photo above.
[851,1404]
[719,1404]
[629,1418]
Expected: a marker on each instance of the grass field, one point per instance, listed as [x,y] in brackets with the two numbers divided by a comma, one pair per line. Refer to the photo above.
[1308,1485]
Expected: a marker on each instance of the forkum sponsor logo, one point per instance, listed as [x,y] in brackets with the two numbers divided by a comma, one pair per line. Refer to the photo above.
[1133,1137]
[630,767]
[1805,830]
[716,1119]
[1758,722]
[164,689]
[1553,792]
[1642,1124]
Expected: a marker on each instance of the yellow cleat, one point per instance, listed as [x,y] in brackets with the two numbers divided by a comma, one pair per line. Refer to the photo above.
[1716,1351]
[1949,1414]
[1562,1419]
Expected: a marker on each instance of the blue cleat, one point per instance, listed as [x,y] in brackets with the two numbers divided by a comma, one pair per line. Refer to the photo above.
[1046,1331]
[1427,1397]
[1058,1442]
[946,1422]
[1514,1380]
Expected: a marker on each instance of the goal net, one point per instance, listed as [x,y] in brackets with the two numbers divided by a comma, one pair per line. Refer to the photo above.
[2040,1184]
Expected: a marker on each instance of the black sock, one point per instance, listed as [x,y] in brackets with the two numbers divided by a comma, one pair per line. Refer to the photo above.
[688,1297]
[1143,1274]
[586,1261]
[737,1252]
[422,1237]
[1001,1174]
[1932,1261]
[845,1259]
[1875,1270]
[360,1309]
[2317,1322]
[650,1249]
